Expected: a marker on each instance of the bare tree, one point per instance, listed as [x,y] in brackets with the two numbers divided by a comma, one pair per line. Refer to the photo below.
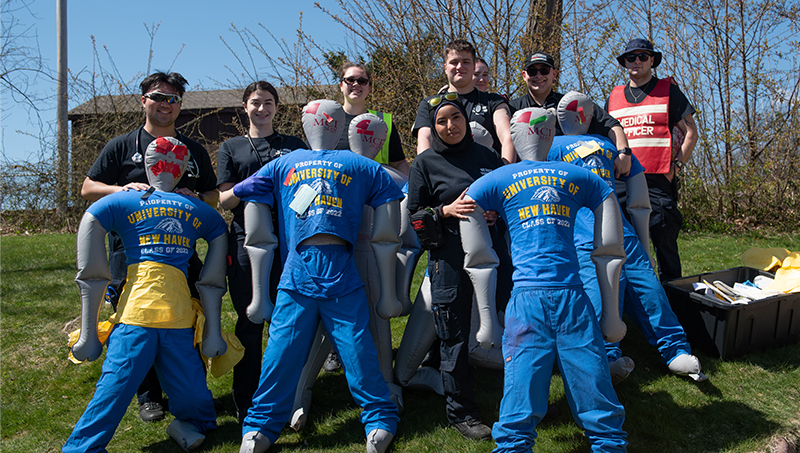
[20,59]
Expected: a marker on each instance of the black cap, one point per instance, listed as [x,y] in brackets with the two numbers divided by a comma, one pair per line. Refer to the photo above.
[640,44]
[539,57]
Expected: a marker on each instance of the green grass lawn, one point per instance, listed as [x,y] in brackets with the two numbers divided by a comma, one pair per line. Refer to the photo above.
[744,403]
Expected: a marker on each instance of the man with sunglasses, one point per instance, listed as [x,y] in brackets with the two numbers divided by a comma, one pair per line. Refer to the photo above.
[120,167]
[655,114]
[539,73]
[490,110]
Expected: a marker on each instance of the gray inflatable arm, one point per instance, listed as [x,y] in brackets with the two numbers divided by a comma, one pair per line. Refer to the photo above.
[638,206]
[608,257]
[385,243]
[480,263]
[212,287]
[410,250]
[92,279]
[407,256]
[260,243]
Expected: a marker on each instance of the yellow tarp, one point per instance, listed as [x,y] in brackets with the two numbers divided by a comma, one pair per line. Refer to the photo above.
[765,259]
[783,263]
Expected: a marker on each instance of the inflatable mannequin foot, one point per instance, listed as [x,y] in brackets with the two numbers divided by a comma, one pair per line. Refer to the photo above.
[687,365]
[620,369]
[254,442]
[299,419]
[185,434]
[378,440]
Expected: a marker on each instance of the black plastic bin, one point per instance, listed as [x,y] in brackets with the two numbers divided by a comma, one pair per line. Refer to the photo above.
[726,330]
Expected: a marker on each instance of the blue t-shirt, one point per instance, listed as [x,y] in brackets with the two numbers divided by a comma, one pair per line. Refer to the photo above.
[343,183]
[600,162]
[540,201]
[161,229]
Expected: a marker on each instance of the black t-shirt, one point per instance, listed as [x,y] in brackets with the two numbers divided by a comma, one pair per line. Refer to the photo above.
[437,179]
[601,123]
[236,159]
[395,145]
[480,107]
[115,165]
[679,105]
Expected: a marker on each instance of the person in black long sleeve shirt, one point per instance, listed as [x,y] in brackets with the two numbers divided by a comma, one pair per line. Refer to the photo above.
[438,179]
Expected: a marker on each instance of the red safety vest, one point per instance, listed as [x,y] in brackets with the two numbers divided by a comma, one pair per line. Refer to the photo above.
[646,125]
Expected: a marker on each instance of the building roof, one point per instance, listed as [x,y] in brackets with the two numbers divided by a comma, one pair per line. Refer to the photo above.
[192,100]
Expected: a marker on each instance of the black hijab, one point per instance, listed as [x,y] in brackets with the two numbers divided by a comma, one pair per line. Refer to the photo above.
[437,143]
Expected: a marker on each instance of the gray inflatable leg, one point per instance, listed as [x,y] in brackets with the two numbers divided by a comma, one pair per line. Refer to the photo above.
[379,328]
[418,338]
[320,348]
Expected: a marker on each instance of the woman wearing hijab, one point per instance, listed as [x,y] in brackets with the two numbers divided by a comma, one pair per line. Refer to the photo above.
[437,182]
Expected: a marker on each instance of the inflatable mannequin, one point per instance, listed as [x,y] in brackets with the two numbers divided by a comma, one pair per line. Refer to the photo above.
[320,197]
[548,307]
[155,319]
[367,134]
[480,134]
[644,298]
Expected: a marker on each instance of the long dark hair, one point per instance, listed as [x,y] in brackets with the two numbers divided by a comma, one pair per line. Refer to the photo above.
[260,85]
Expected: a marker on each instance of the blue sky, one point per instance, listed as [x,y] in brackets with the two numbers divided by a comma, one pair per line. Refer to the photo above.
[120,27]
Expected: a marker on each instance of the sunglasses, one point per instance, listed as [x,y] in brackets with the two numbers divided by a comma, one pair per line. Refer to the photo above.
[155,96]
[533,71]
[631,57]
[436,100]
[352,81]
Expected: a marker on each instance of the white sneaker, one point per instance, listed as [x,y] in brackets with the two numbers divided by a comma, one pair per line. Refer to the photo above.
[185,434]
[378,440]
[254,442]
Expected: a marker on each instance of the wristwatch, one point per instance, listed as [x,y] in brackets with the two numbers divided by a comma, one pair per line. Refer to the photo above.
[627,151]
[678,163]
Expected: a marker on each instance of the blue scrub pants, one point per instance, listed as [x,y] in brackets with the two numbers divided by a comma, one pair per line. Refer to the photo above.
[642,297]
[546,326]
[291,332]
[132,350]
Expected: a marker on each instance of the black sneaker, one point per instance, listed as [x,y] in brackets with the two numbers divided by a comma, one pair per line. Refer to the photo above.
[473,429]
[332,363]
[151,411]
